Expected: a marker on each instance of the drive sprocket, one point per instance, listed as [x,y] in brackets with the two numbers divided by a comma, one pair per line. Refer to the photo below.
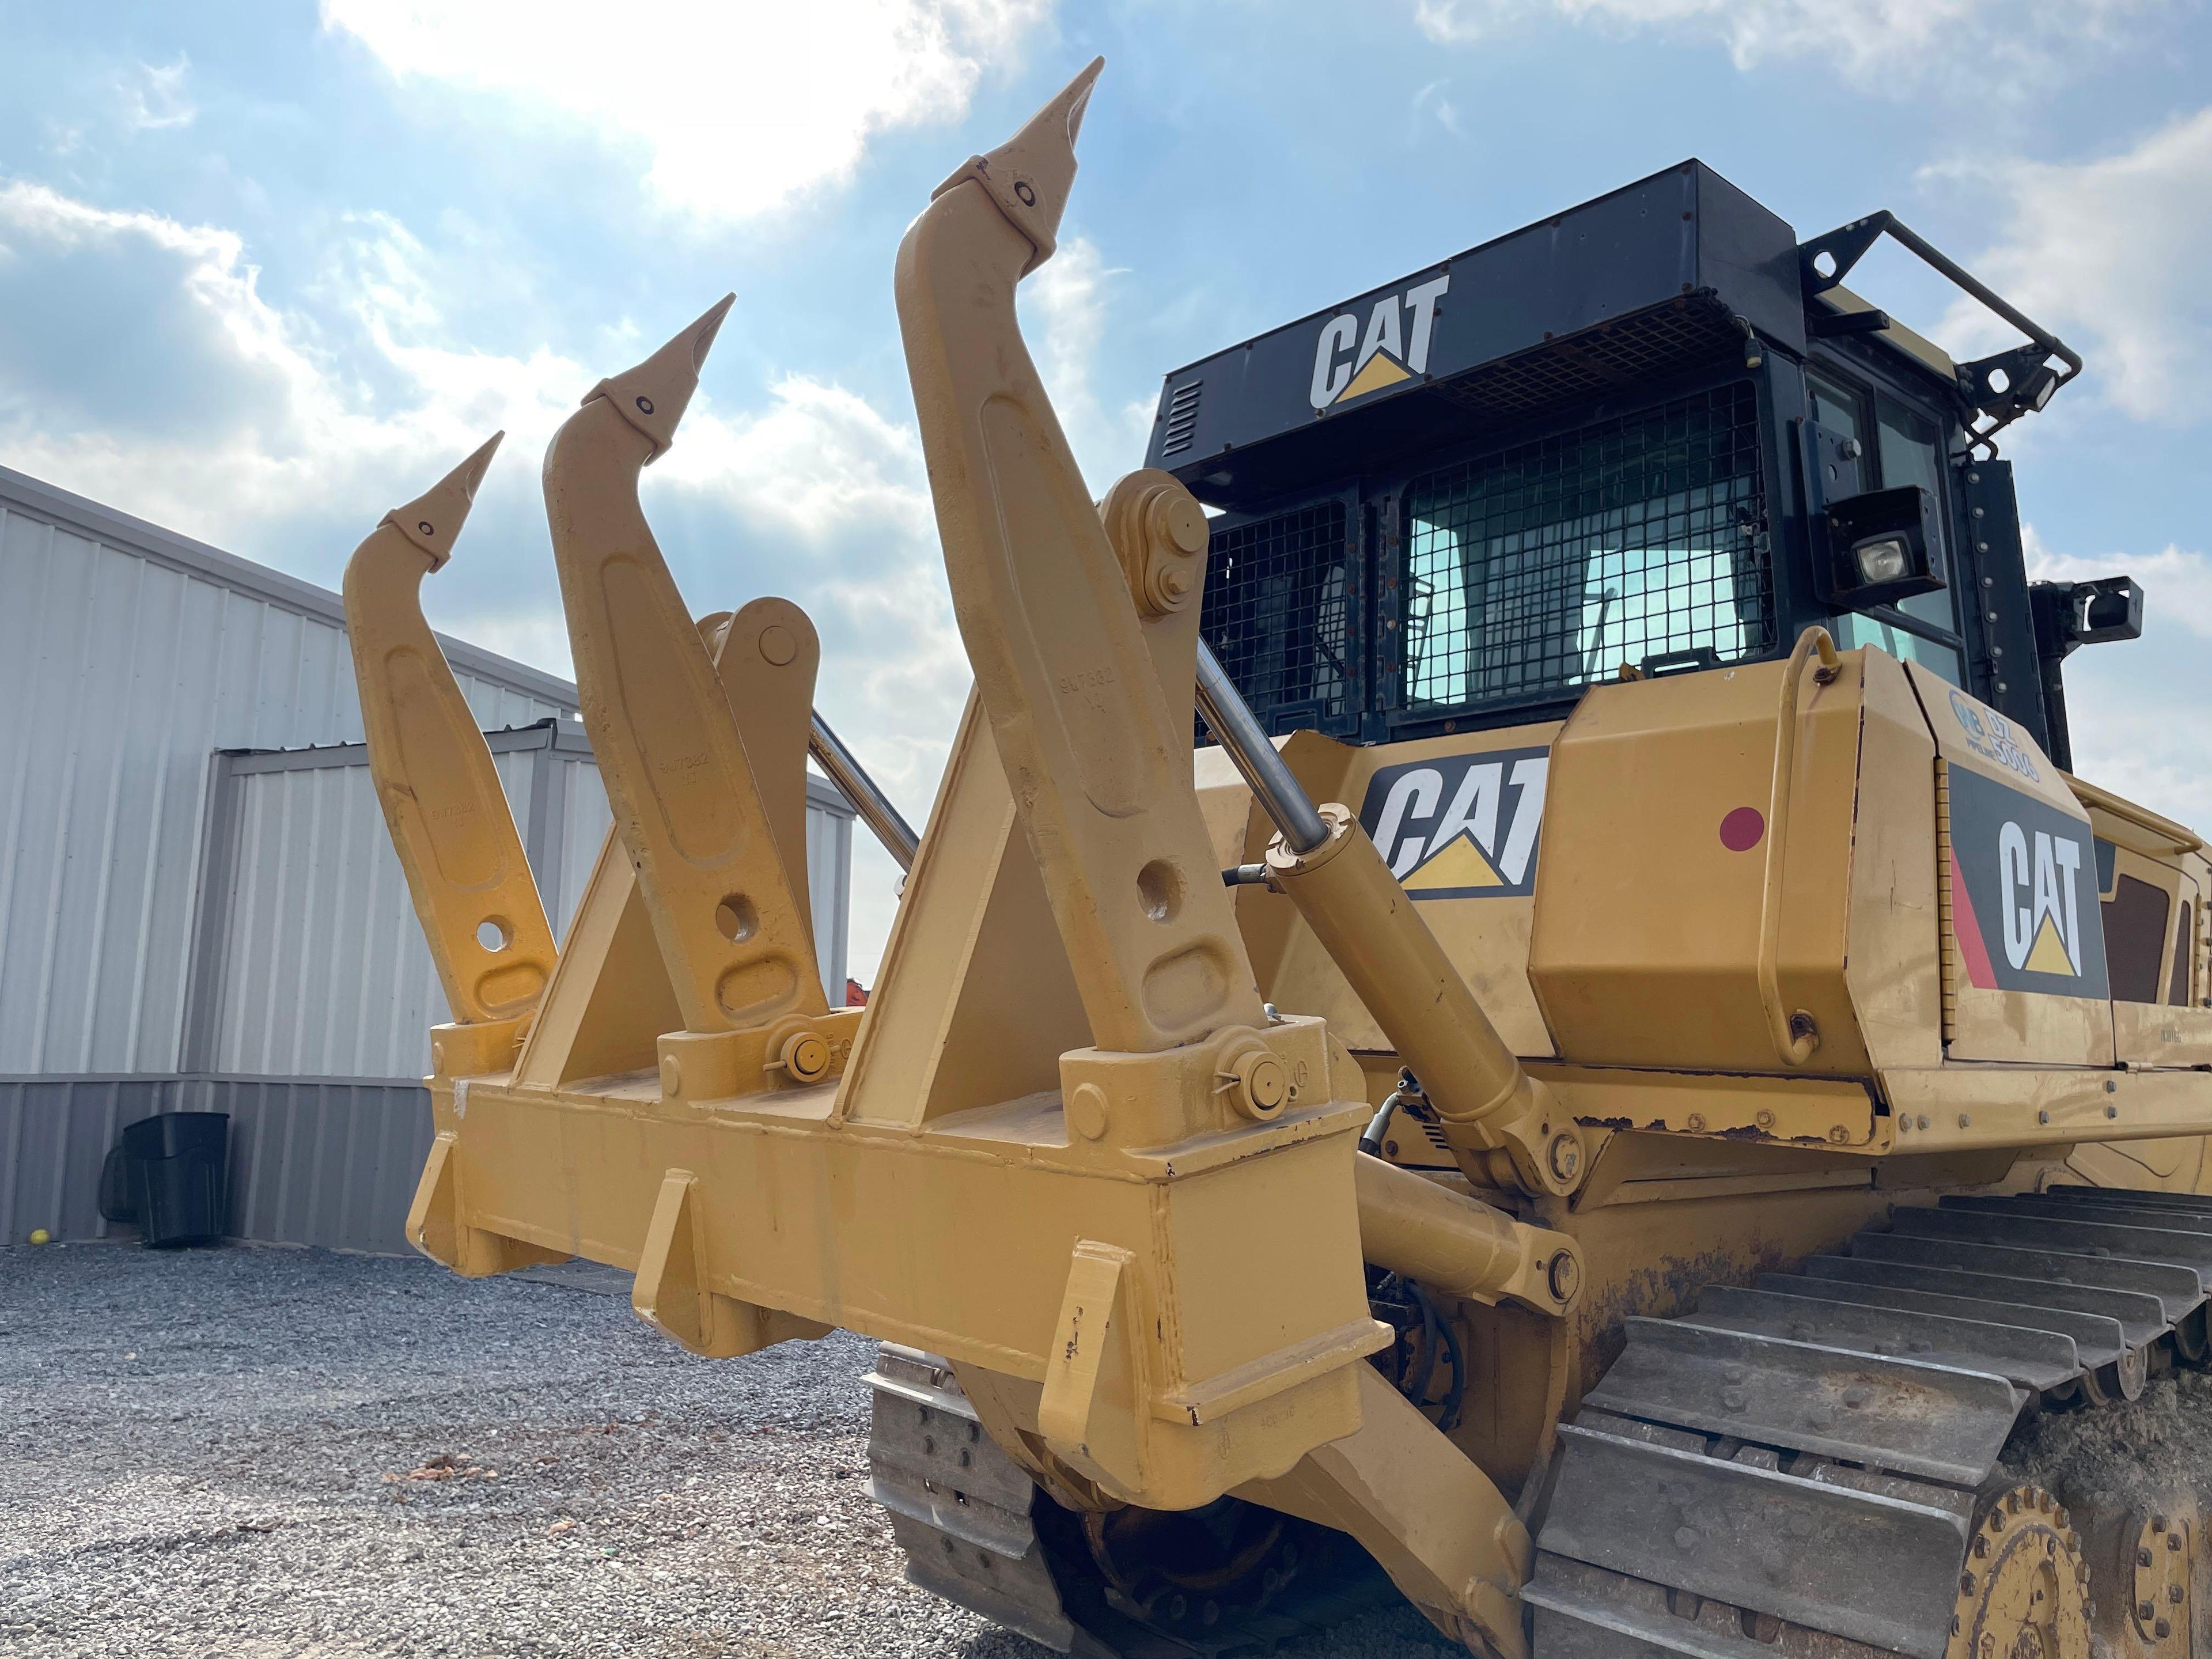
[2023,1593]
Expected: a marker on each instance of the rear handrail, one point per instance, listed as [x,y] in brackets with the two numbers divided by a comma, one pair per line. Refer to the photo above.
[1796,1035]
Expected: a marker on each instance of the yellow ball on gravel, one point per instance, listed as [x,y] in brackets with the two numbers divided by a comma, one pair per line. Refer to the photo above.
[41,1236]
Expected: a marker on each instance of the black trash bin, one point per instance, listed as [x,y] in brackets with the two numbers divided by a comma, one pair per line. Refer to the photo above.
[168,1175]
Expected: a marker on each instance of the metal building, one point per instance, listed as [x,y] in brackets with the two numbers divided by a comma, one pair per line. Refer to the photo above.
[199,906]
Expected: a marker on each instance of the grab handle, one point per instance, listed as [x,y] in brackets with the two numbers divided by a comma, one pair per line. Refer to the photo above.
[1796,1035]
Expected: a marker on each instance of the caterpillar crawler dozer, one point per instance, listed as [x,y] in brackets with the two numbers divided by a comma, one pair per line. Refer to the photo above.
[1628,1095]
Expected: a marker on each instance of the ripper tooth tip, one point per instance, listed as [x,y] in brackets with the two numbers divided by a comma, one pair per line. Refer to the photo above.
[654,396]
[708,325]
[1077,97]
[432,520]
[1030,175]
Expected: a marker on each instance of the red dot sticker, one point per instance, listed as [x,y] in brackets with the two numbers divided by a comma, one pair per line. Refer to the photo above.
[1741,828]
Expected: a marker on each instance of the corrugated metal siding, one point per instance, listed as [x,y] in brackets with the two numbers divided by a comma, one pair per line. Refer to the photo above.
[323,970]
[327,1164]
[586,819]
[830,878]
[121,673]
[54,1134]
[278,974]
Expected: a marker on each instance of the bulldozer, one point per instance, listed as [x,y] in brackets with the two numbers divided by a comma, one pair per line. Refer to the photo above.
[1510,998]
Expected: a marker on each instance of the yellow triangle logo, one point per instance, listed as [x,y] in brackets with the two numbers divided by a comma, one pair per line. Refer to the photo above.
[1382,369]
[1458,863]
[2049,955]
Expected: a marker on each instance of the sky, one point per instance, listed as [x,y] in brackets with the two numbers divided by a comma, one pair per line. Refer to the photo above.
[268,268]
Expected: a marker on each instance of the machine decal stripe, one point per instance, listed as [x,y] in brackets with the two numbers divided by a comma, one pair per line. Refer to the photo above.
[1968,929]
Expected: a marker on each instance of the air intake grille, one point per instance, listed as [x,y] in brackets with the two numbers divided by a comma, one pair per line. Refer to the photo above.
[1182,418]
[1641,540]
[1602,361]
[1277,608]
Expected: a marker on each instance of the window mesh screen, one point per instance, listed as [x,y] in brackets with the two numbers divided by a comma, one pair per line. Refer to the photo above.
[1278,609]
[1550,565]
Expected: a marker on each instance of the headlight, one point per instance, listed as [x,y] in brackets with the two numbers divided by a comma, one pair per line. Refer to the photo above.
[1885,560]
[1887,545]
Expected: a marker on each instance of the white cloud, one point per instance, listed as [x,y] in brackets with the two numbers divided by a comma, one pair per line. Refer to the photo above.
[1432,99]
[738,107]
[296,423]
[280,431]
[1877,45]
[153,97]
[2110,253]
[2177,583]
[1064,306]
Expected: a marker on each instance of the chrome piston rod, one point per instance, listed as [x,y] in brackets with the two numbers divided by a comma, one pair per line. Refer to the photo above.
[1235,726]
[873,807]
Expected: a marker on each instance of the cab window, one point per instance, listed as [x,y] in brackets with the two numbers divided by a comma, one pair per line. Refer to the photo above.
[1638,539]
[1897,446]
[1907,455]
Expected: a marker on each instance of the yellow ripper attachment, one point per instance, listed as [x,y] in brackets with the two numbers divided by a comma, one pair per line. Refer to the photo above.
[730,920]
[610,1000]
[435,778]
[456,839]
[1242,1126]
[1067,1148]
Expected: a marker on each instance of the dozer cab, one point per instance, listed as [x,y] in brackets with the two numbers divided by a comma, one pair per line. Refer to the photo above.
[1627,1096]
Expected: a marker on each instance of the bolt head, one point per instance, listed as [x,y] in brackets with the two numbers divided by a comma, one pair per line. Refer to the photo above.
[1087,1110]
[1267,1084]
[1182,522]
[1565,1155]
[805,1056]
[1564,1276]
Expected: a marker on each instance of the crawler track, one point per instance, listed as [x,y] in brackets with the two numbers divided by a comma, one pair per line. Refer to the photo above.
[1811,1464]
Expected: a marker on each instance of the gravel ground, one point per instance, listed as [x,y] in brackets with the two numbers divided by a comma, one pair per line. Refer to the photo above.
[230,1453]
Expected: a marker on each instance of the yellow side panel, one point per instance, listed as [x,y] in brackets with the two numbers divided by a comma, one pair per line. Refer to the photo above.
[1894,971]
[1646,941]
[1448,814]
[2023,939]
[2176,1166]
[2152,911]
